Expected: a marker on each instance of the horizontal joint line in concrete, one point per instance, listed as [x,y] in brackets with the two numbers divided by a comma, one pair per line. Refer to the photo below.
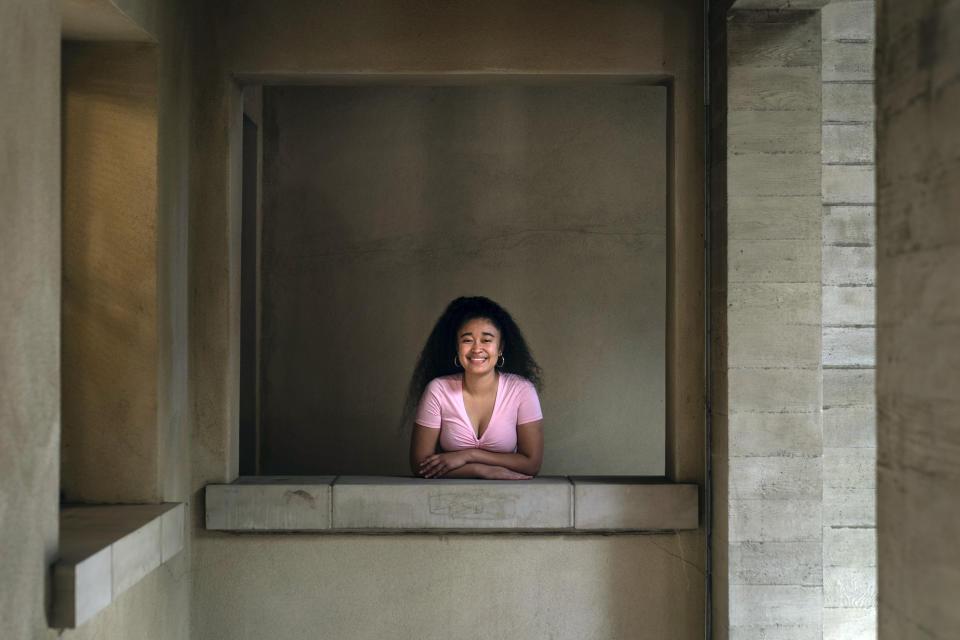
[852,526]
[853,405]
[847,122]
[788,456]
[849,244]
[849,40]
[848,82]
[737,412]
[849,326]
[774,153]
[736,110]
[844,203]
[755,281]
[849,164]
[855,367]
[810,368]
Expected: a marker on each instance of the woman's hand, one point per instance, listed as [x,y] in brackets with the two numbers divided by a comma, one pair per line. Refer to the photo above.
[502,473]
[441,463]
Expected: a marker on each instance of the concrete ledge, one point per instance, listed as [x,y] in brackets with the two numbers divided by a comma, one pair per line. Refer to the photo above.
[104,549]
[371,502]
[270,503]
[607,504]
[381,504]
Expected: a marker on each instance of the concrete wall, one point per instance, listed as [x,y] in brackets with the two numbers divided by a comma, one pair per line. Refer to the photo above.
[30,171]
[382,203]
[304,583]
[849,409]
[109,302]
[30,313]
[918,361]
[767,405]
[158,606]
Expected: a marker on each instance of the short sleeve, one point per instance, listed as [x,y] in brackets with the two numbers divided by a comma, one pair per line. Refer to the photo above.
[529,406]
[428,412]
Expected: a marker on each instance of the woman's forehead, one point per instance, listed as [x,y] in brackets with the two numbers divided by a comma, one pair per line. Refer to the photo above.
[478,325]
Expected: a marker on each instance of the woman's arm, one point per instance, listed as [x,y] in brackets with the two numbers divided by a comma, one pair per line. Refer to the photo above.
[525,461]
[423,445]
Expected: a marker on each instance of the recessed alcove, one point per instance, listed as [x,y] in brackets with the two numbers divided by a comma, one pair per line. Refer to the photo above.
[382,200]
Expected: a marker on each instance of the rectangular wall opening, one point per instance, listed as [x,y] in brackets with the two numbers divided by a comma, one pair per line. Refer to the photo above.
[381,203]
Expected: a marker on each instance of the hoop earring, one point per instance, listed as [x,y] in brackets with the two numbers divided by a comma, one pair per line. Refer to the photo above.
[502,362]
[456,362]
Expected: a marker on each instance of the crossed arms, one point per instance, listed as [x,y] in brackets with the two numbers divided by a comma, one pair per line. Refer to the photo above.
[477,463]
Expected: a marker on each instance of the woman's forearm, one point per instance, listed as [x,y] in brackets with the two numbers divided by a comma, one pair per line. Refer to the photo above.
[514,461]
[469,470]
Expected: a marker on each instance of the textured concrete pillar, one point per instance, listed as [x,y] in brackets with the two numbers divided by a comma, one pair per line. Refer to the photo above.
[849,424]
[771,539]
[918,315]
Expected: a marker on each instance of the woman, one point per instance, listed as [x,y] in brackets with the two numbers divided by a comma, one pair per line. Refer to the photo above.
[474,398]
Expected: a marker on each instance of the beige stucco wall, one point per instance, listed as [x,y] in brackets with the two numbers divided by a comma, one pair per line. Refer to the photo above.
[918,322]
[437,587]
[30,254]
[29,314]
[382,203]
[635,586]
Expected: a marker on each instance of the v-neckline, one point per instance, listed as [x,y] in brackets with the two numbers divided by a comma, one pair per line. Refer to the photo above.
[463,405]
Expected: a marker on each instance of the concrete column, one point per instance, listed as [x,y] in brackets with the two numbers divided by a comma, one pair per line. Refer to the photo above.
[918,318]
[30,309]
[849,424]
[773,448]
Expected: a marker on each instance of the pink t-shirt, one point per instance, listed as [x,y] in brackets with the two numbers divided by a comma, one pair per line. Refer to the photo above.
[441,407]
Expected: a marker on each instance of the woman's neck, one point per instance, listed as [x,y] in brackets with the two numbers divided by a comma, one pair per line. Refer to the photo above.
[479,385]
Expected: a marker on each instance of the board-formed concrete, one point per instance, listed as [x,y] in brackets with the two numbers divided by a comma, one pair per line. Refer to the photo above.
[377,504]
[768,442]
[370,502]
[270,503]
[849,320]
[105,550]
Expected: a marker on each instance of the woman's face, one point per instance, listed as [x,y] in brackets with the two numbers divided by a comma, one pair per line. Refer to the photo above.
[478,346]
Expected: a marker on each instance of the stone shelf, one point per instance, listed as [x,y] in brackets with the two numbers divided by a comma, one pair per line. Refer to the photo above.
[386,504]
[105,549]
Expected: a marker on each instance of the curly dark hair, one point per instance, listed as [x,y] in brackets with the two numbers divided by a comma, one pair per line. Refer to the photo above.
[437,357]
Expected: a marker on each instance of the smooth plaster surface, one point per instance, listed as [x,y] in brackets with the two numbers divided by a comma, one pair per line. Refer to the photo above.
[434,587]
[592,587]
[918,319]
[109,304]
[382,203]
[30,192]
[29,313]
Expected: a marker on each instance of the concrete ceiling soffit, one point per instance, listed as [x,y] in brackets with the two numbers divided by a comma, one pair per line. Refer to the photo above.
[99,20]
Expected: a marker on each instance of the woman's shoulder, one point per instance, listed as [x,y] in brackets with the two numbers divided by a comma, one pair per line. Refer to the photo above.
[516,381]
[444,384]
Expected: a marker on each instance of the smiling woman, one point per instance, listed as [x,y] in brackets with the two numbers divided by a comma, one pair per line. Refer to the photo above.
[473,398]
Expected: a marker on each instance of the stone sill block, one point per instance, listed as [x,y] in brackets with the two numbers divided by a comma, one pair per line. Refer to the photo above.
[105,549]
[385,504]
